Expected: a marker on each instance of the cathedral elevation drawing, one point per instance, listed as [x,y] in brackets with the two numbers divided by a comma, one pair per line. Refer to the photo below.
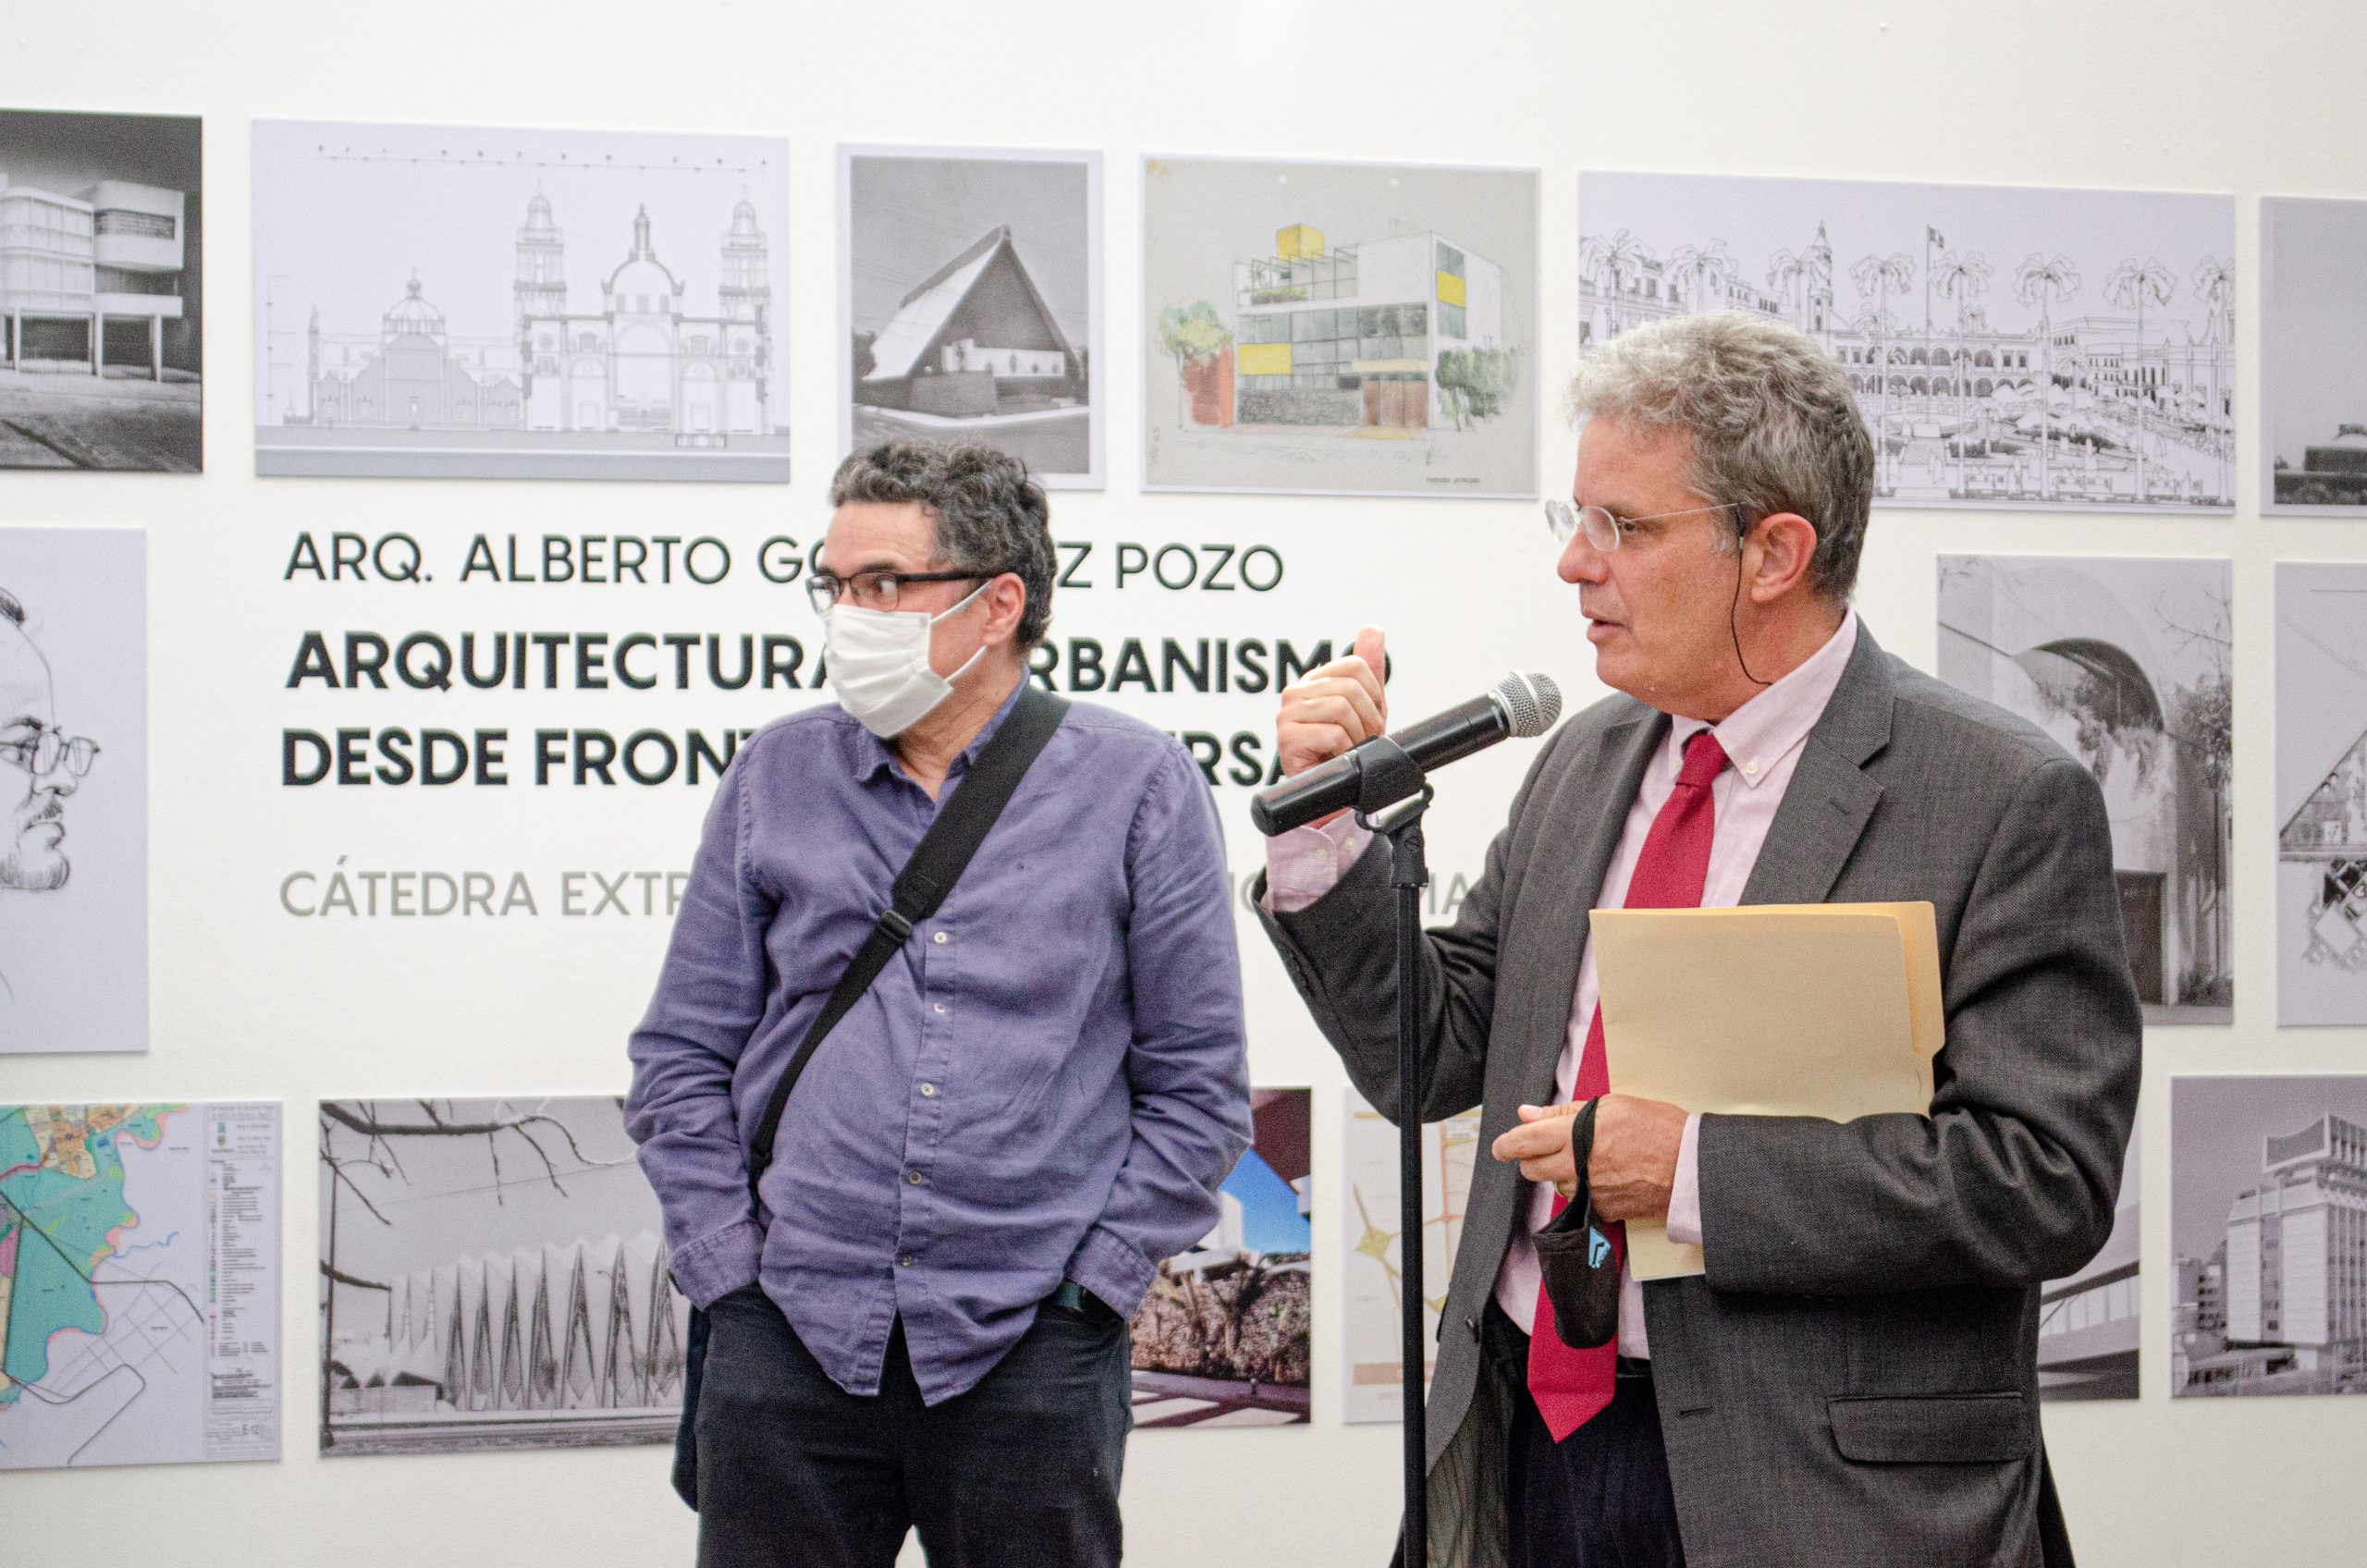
[464,303]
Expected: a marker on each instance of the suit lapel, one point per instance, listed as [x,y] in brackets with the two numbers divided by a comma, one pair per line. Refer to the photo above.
[1831,797]
[1576,839]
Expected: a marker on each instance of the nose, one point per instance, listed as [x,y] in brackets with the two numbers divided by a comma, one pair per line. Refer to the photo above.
[1581,563]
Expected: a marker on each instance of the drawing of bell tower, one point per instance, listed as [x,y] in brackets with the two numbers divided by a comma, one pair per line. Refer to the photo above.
[1819,260]
[747,301]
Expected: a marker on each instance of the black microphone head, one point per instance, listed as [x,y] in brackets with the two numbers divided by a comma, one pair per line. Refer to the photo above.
[1531,703]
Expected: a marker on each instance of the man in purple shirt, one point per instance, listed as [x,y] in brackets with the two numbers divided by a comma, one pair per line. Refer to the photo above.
[923,1324]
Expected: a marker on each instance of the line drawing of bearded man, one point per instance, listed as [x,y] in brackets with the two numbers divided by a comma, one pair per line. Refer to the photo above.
[32,821]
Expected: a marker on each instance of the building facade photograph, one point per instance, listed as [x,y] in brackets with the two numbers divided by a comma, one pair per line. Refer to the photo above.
[2314,354]
[101,345]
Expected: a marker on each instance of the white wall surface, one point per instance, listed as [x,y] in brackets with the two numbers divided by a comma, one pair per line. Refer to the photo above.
[249,1003]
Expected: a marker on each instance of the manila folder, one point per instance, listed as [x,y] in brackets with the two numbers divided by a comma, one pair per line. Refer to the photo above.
[1767,1009]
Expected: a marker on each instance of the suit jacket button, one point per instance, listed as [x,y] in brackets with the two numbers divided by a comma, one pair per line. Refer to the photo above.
[1471,1321]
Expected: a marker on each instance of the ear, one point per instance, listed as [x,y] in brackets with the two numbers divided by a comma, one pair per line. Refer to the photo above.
[1006,601]
[1776,554]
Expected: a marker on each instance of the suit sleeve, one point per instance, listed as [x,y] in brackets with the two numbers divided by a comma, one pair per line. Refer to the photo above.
[2011,1178]
[1341,952]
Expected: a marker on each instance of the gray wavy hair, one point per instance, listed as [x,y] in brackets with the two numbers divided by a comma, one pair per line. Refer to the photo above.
[990,516]
[1773,424]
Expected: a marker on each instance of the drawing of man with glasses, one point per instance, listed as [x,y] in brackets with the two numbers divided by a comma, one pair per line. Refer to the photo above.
[33,825]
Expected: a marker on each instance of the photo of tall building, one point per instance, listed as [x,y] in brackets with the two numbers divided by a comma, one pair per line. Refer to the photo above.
[587,305]
[2007,347]
[101,340]
[2269,1216]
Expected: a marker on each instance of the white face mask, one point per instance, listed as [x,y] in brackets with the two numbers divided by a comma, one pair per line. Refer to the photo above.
[879,665]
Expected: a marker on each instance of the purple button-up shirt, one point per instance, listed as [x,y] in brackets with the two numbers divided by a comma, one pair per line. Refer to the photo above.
[1049,1080]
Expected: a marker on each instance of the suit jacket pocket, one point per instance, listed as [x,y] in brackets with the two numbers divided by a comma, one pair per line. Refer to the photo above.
[1934,1429]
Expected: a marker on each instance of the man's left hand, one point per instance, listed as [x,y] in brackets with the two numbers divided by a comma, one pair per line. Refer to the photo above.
[1633,1169]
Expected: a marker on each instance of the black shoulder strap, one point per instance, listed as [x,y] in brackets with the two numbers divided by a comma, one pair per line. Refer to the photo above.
[944,850]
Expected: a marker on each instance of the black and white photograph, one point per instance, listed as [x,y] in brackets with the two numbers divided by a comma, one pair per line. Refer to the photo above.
[2088,1321]
[970,303]
[73,790]
[2126,662]
[2268,1215]
[2008,346]
[493,1277]
[1339,328]
[2321,792]
[460,302]
[2313,355]
[1224,1337]
[102,342]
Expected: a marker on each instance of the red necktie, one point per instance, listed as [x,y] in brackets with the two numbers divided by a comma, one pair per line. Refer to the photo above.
[1571,1385]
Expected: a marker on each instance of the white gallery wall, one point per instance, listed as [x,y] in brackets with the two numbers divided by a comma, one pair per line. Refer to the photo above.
[253,1002]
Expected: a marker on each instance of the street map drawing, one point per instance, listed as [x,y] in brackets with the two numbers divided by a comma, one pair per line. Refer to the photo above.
[139,1284]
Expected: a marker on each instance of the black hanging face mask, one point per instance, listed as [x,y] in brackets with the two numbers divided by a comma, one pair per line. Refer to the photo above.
[1582,1268]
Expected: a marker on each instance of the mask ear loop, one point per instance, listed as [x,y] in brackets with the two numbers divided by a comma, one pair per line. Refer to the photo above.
[1735,609]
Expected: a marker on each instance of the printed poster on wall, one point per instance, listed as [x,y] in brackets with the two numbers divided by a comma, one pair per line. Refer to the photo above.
[467,303]
[1371,1328]
[73,790]
[2009,347]
[2321,792]
[2314,356]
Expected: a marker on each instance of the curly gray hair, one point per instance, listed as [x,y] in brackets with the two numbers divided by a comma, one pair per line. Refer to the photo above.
[990,516]
[1773,424]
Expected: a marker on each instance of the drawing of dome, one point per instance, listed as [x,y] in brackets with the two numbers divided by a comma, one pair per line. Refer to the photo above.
[643,282]
[412,314]
[538,216]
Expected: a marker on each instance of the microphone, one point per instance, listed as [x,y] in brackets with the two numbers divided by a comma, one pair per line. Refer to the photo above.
[1521,705]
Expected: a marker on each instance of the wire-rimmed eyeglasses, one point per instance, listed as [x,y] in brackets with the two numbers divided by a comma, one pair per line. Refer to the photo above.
[876,590]
[41,755]
[1605,529]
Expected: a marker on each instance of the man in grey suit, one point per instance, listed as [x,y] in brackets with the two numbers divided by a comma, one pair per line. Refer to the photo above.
[1853,1380]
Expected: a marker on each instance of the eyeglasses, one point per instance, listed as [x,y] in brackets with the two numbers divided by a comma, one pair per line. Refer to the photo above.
[1604,529]
[876,590]
[41,755]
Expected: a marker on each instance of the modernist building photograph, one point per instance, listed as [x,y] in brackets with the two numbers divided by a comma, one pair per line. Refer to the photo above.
[2127,663]
[492,1276]
[2088,1321]
[438,302]
[102,347]
[2007,347]
[2321,792]
[2313,335]
[970,288]
[1224,1336]
[1345,328]
[2268,1213]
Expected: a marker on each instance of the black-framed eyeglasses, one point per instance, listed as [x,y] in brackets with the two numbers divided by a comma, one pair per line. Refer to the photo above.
[41,755]
[1605,529]
[877,590]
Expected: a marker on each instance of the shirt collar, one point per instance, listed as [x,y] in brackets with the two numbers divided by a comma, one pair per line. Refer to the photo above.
[868,753]
[1760,733]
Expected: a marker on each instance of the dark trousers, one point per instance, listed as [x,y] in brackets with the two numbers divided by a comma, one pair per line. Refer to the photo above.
[1021,1471]
[1600,1496]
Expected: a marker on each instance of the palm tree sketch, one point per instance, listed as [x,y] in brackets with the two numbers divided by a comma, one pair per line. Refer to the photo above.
[1963,278]
[1704,269]
[2132,286]
[2045,283]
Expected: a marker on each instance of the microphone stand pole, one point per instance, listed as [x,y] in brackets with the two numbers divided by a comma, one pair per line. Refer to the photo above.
[1392,796]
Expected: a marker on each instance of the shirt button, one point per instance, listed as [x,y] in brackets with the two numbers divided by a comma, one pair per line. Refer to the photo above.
[928,1091]
[1751,769]
[940,938]
[941,1007]
[914,1177]
[905,1261]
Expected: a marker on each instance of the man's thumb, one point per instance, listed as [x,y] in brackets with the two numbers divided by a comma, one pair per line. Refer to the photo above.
[1371,648]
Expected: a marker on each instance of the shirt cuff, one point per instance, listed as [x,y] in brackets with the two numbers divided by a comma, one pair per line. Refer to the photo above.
[1684,1196]
[1111,1269]
[1306,862]
[713,1267]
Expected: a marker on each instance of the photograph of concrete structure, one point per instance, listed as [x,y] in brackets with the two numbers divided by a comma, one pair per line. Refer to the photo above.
[1223,1339]
[2008,345]
[1372,1388]
[2268,1215]
[970,303]
[492,1276]
[2314,333]
[73,790]
[2088,1322]
[2321,792]
[1339,328]
[456,302]
[102,347]
[2127,663]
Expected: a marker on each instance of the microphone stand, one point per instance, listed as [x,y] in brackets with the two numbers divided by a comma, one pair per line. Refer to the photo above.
[1393,794]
